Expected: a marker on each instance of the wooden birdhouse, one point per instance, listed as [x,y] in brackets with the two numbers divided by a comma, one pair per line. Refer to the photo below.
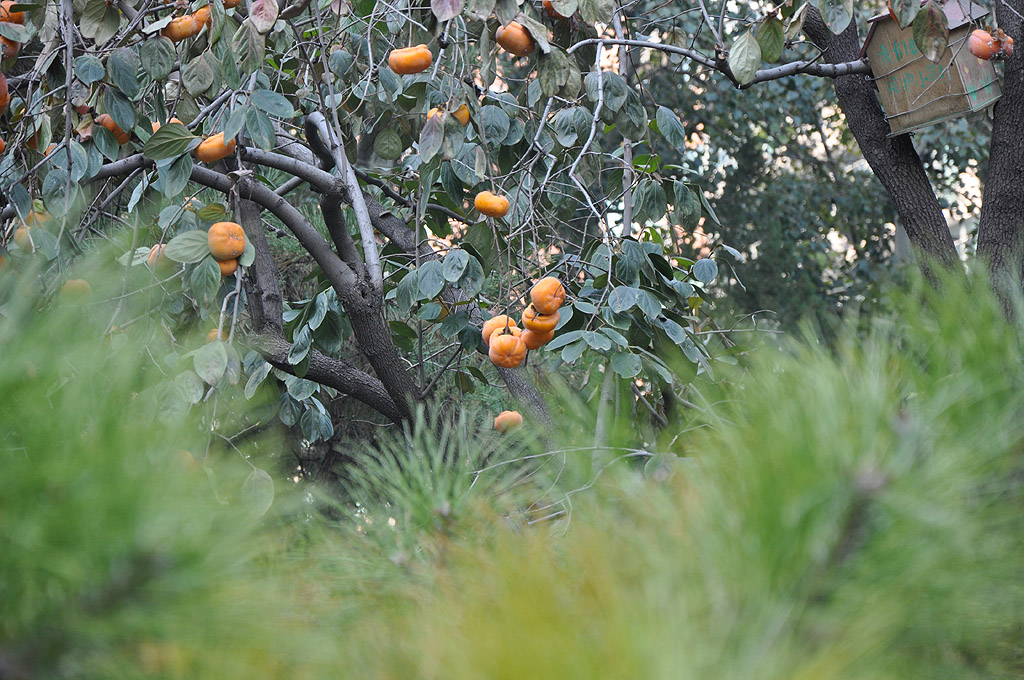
[916,92]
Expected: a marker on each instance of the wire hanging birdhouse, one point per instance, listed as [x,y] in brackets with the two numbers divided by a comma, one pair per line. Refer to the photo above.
[916,92]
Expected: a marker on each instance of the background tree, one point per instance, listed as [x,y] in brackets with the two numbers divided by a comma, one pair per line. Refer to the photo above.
[299,124]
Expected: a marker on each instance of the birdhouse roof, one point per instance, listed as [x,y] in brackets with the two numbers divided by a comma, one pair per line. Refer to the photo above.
[958,13]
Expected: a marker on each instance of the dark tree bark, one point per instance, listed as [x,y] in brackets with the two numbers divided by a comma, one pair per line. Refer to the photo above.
[265,308]
[893,160]
[1001,228]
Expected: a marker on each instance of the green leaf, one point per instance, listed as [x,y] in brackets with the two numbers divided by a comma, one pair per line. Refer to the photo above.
[89,69]
[431,139]
[197,76]
[340,62]
[260,128]
[538,31]
[670,127]
[59,192]
[263,15]
[770,37]
[626,365]
[120,109]
[123,67]
[158,57]
[170,141]
[210,361]
[622,298]
[105,143]
[258,492]
[248,255]
[455,263]
[931,32]
[704,270]
[203,280]
[574,351]
[388,144]
[597,11]
[301,344]
[256,379]
[174,177]
[565,7]
[189,387]
[188,247]
[316,426]
[407,291]
[446,9]
[431,280]
[473,278]
[837,14]
[273,103]
[745,58]
[495,123]
[686,206]
[553,71]
[905,11]
[249,47]
[100,21]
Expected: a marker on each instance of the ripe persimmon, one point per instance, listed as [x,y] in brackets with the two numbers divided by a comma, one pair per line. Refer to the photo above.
[535,340]
[507,349]
[515,39]
[202,16]
[5,95]
[213,335]
[76,288]
[507,420]
[226,240]
[22,237]
[181,28]
[982,45]
[408,60]
[228,4]
[227,267]
[213,149]
[547,295]
[156,257]
[534,321]
[156,125]
[6,15]
[491,325]
[492,205]
[104,120]
[461,114]
[9,48]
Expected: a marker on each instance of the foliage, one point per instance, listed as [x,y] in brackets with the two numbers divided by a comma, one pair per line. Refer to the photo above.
[841,515]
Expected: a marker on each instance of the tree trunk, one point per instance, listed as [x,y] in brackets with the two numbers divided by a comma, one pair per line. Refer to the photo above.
[1001,228]
[892,159]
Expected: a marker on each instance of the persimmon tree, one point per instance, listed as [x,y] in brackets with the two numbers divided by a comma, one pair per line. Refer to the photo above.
[147,123]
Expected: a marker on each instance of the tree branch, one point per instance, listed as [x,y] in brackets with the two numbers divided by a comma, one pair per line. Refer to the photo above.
[1001,227]
[316,124]
[829,70]
[893,160]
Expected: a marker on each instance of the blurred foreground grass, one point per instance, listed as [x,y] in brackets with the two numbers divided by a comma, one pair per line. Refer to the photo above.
[847,513]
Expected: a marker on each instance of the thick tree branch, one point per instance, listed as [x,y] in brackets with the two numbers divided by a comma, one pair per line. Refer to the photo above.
[340,275]
[822,70]
[1001,228]
[334,218]
[332,372]
[893,160]
[316,124]
[322,182]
